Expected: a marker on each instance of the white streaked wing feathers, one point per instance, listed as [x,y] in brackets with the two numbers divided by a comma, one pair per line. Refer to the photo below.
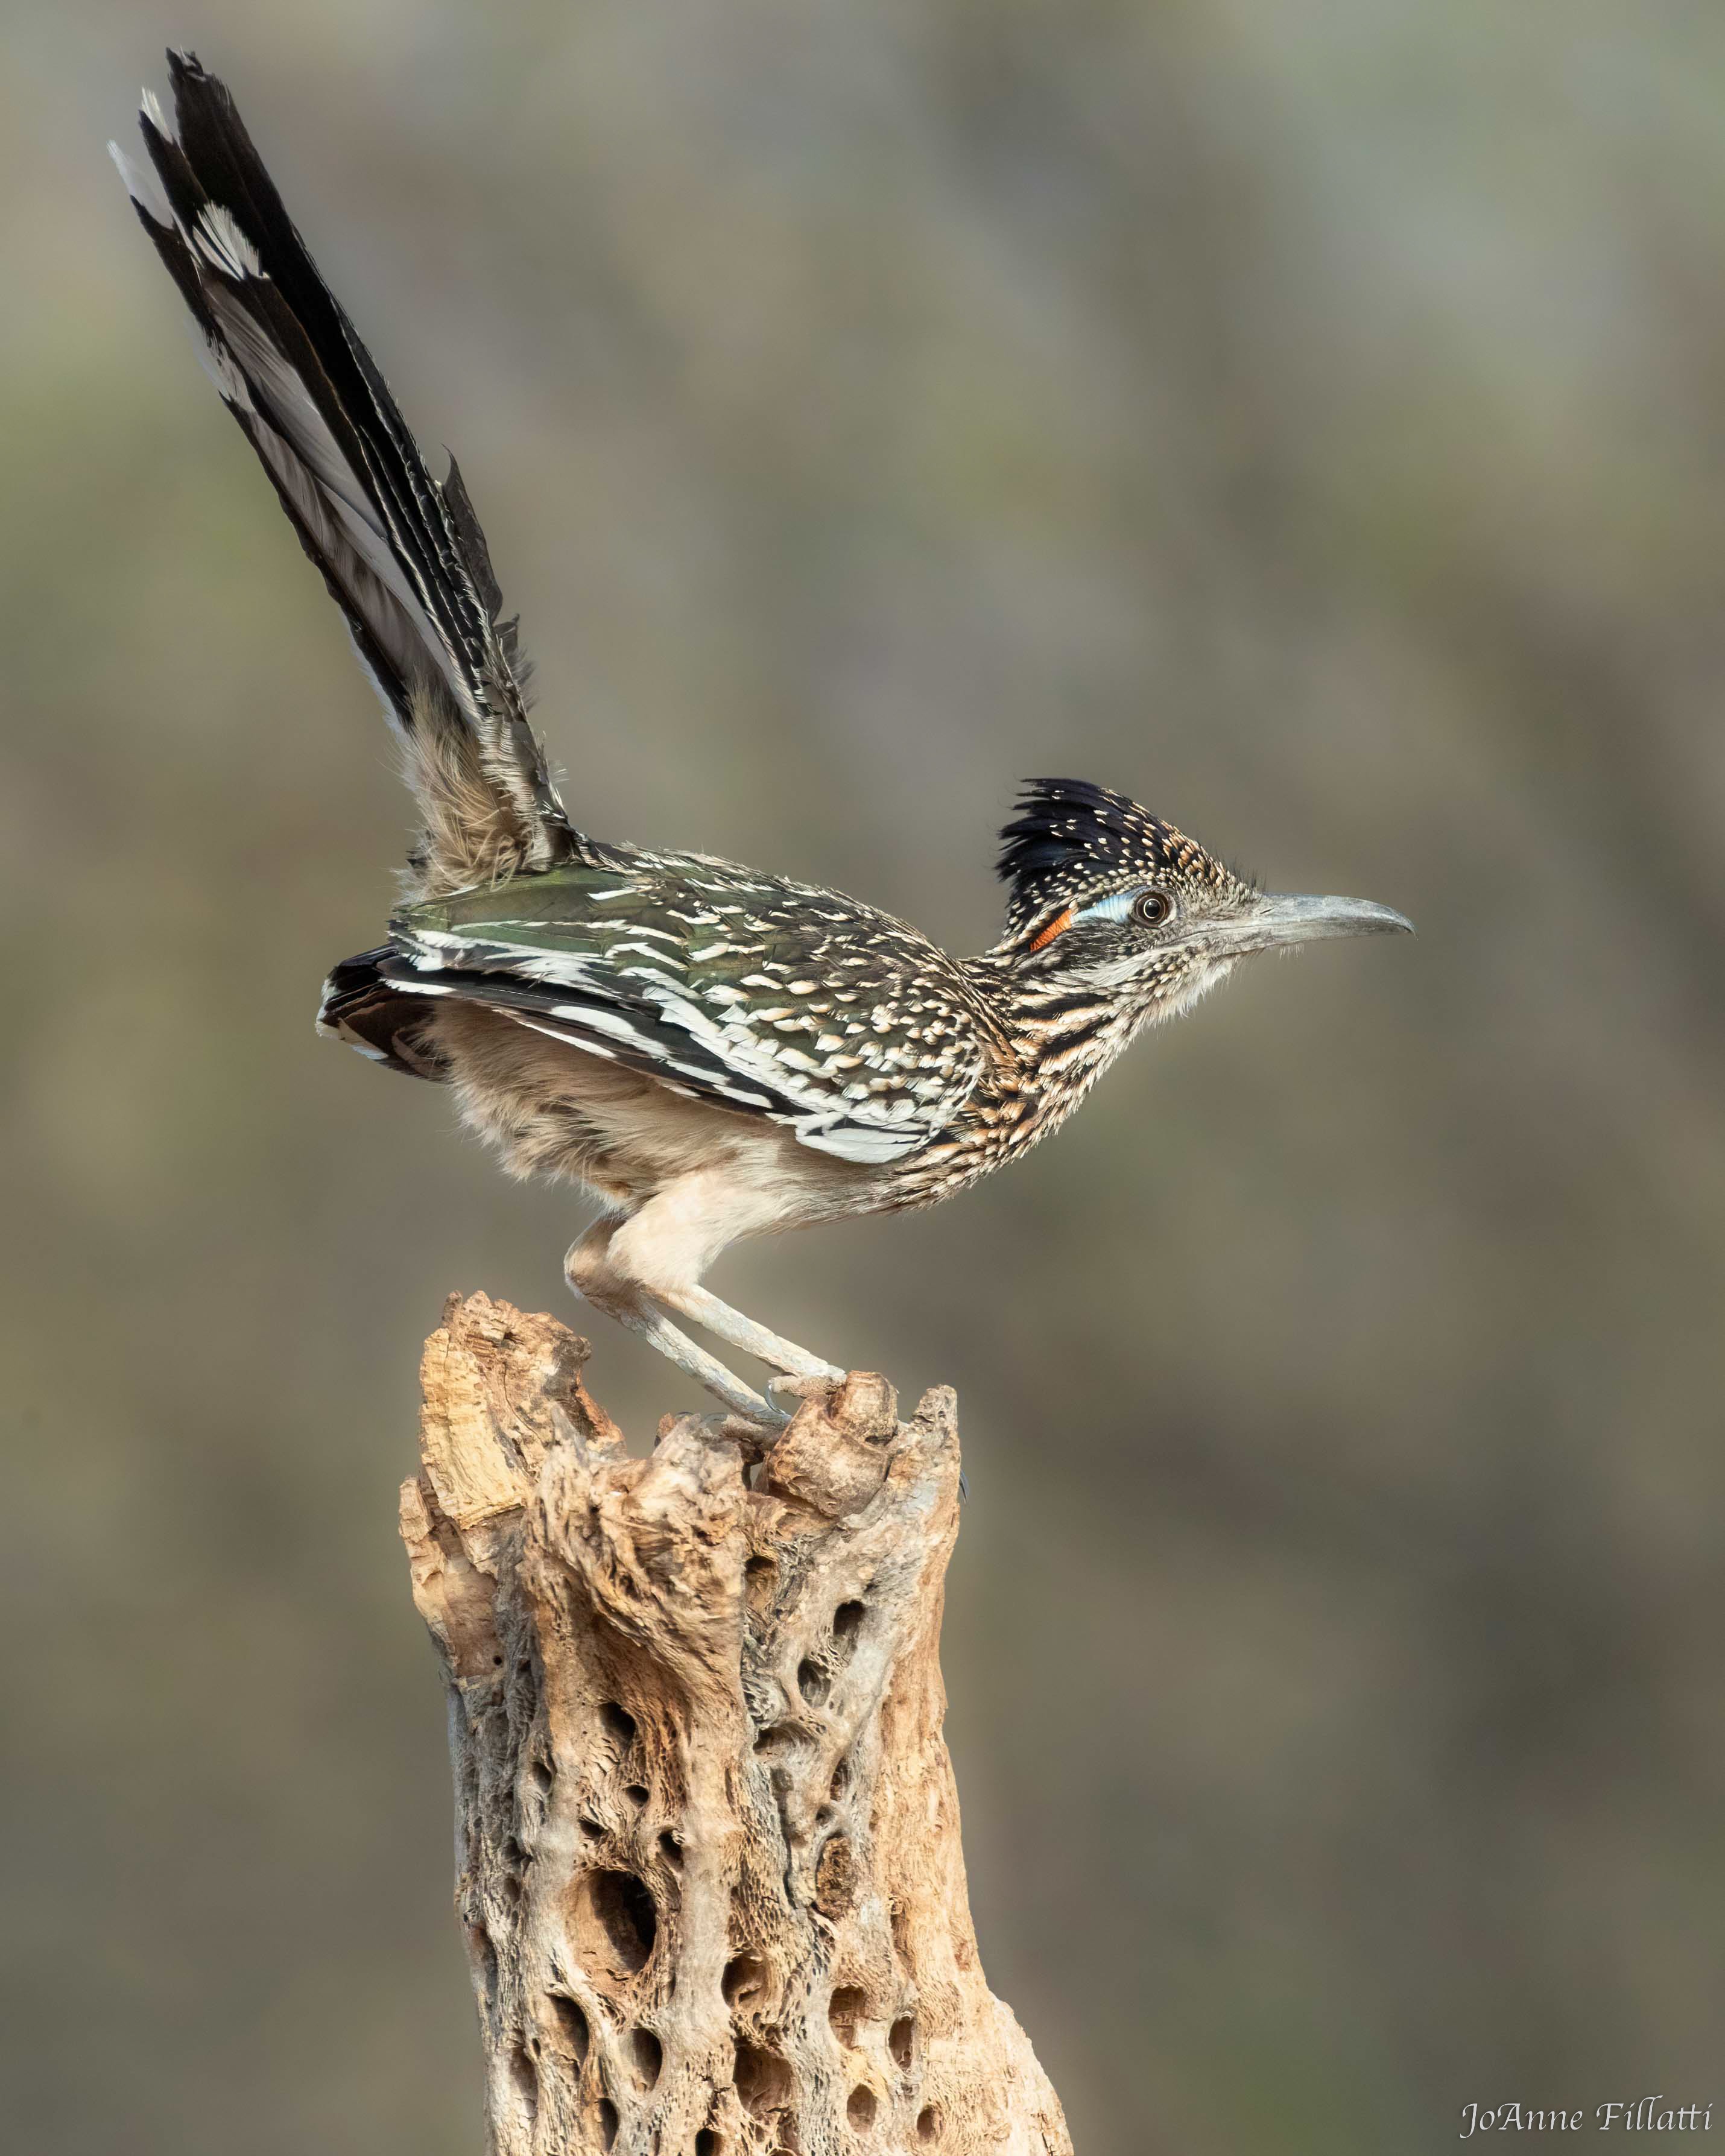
[738,1063]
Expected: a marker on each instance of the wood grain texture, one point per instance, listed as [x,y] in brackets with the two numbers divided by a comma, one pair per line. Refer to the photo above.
[708,1864]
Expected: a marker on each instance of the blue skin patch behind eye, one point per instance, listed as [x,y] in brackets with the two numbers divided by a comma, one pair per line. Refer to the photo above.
[1115,908]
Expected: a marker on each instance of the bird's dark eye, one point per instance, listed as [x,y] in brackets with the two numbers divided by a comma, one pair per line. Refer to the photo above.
[1151,908]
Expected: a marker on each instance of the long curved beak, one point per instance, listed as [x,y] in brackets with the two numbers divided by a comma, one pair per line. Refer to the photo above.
[1274,922]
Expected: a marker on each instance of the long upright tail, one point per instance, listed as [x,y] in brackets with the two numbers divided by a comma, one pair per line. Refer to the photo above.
[403,556]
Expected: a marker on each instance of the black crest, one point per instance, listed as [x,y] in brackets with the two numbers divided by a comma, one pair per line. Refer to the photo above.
[1064,824]
[1071,838]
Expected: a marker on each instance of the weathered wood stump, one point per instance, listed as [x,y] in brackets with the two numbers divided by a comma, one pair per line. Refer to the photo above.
[707,1850]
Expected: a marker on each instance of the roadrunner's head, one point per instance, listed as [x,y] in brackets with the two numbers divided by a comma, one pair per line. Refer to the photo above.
[1107,898]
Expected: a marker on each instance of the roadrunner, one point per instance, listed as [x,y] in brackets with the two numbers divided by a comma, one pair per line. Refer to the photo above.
[710,1051]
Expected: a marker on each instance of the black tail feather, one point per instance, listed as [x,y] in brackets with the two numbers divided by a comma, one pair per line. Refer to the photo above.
[403,558]
[360,1007]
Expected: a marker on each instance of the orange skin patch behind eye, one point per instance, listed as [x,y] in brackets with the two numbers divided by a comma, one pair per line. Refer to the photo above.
[1048,935]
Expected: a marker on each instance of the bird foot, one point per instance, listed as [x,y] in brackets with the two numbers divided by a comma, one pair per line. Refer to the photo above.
[753,1428]
[752,1435]
[758,1414]
[791,1386]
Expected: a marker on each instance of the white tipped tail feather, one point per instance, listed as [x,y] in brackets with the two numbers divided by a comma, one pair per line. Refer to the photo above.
[402,554]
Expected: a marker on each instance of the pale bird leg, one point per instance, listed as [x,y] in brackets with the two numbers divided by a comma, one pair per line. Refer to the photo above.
[724,1385]
[594,1279]
[653,1258]
[704,1308]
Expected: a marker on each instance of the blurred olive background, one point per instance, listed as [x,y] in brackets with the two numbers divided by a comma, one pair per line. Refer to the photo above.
[1308,416]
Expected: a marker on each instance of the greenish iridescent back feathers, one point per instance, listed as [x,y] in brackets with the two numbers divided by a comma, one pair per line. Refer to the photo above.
[754,992]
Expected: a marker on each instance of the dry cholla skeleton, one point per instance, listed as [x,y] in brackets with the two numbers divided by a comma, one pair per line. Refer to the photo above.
[712,1052]
[707,1855]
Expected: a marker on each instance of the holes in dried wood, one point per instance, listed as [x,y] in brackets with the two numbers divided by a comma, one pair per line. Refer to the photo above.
[835,1877]
[847,2010]
[814,1683]
[744,1984]
[780,1735]
[707,2142]
[525,2082]
[649,2055]
[607,2121]
[841,1779]
[763,2079]
[900,2041]
[848,1624]
[760,1583]
[612,1921]
[480,1941]
[637,1793]
[619,1724]
[671,1849]
[591,1827]
[543,1777]
[572,2026]
[929,2124]
[860,2109]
